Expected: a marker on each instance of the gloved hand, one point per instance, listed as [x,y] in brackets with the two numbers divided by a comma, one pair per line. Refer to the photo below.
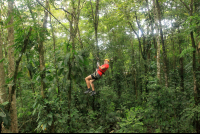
[98,64]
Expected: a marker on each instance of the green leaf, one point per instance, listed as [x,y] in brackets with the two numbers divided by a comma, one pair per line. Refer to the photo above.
[2,60]
[5,103]
[28,113]
[39,124]
[19,74]
[186,51]
[81,58]
[6,122]
[2,114]
[50,122]
[50,115]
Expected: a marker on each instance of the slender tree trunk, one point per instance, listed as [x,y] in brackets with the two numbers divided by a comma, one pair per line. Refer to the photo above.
[163,45]
[41,51]
[54,50]
[96,25]
[133,69]
[73,19]
[95,18]
[30,72]
[181,63]
[56,69]
[80,40]
[174,65]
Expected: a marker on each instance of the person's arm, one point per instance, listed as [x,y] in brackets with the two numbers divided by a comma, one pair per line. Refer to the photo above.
[102,67]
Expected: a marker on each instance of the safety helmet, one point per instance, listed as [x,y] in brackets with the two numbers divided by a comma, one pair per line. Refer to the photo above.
[107,60]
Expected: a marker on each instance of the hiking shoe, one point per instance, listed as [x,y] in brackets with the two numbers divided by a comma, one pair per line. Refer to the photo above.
[88,91]
[93,93]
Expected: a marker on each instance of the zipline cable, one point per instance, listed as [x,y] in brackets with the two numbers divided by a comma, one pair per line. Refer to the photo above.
[52,14]
[56,18]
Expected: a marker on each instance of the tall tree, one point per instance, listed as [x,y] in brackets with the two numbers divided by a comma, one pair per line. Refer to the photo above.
[11,68]
[190,9]
[180,38]
[73,18]
[41,39]
[163,44]
[158,41]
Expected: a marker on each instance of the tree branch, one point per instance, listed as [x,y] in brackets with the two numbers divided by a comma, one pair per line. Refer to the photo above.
[139,25]
[185,5]
[25,123]
[61,8]
[52,15]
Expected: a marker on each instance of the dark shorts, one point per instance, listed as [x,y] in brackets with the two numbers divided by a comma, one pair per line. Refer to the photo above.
[95,75]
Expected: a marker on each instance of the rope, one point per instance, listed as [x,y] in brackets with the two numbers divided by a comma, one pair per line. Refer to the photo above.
[56,18]
[52,14]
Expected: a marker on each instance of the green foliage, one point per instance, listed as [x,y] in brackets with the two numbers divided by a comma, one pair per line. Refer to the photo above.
[132,123]
[189,50]
[130,98]
[4,115]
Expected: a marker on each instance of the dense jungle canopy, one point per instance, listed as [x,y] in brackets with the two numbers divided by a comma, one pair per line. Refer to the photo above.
[49,47]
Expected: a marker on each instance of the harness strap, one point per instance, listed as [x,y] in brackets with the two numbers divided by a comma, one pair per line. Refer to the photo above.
[101,71]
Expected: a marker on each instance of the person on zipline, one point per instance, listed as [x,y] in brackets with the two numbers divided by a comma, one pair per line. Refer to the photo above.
[95,76]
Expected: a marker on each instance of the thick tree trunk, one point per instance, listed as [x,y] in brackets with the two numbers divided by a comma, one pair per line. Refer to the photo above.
[11,69]
[158,43]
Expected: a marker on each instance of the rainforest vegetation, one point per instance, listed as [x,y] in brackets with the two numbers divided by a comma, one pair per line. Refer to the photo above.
[48,47]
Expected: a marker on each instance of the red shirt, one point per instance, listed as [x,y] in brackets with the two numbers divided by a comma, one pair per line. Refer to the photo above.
[103,70]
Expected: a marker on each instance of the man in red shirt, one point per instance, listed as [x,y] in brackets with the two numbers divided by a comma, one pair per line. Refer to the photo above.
[95,76]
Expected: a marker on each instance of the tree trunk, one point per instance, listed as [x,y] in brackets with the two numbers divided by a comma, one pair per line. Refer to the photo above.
[41,51]
[30,67]
[11,68]
[163,45]
[158,43]
[73,19]
[181,63]
[95,18]
[54,50]
[80,40]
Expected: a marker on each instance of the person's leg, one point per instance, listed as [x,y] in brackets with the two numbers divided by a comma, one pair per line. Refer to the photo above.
[87,80]
[92,84]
